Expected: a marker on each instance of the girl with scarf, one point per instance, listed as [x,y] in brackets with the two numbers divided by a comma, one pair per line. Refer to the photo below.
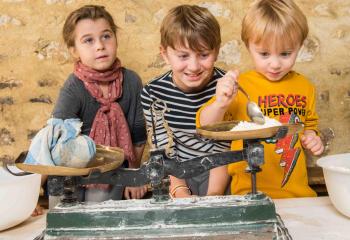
[104,95]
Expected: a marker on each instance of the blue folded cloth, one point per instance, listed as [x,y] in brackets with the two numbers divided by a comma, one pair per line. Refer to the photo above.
[61,144]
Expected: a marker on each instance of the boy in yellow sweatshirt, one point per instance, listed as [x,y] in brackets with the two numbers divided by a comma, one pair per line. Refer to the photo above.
[273,32]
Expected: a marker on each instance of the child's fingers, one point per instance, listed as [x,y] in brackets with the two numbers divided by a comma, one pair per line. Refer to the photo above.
[303,140]
[127,193]
[135,194]
[227,85]
[319,150]
[34,213]
[316,149]
[132,193]
[37,211]
[232,74]
[227,90]
[138,193]
[232,77]
[143,191]
[309,143]
[313,144]
[306,139]
[40,210]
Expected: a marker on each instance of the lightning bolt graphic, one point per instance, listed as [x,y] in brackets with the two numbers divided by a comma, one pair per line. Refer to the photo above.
[285,146]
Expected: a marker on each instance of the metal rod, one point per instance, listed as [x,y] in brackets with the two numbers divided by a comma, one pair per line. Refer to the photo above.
[253,177]
[154,139]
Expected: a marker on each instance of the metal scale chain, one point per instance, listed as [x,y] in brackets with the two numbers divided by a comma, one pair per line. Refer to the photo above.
[159,182]
[157,110]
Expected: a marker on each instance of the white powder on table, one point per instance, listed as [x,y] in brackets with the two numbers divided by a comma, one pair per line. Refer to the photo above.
[244,125]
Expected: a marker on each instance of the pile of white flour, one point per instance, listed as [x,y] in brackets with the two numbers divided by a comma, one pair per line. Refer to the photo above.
[245,126]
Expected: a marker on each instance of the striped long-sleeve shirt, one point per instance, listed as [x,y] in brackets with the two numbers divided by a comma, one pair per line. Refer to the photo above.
[181,115]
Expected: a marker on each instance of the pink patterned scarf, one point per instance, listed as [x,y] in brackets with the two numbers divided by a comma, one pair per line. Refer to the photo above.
[110,127]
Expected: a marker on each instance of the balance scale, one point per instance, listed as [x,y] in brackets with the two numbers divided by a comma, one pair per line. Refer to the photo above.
[252,216]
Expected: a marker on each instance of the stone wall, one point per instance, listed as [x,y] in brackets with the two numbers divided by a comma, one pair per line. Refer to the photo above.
[34,62]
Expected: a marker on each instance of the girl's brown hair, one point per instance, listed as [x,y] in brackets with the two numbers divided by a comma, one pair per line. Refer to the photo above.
[93,12]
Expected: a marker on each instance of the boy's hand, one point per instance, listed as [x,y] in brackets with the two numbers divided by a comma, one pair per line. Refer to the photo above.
[312,142]
[135,192]
[226,89]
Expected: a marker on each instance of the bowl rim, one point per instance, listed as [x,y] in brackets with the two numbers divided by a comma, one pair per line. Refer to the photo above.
[26,199]
[9,179]
[323,160]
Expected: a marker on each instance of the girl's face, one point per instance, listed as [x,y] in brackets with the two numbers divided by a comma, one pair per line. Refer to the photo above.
[95,44]
[273,63]
[191,70]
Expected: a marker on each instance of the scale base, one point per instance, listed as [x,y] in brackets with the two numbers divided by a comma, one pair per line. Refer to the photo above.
[219,217]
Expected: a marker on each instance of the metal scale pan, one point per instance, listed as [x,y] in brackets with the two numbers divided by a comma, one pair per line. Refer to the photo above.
[106,159]
[221,131]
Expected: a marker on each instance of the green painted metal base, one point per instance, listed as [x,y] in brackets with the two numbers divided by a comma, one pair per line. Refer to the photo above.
[224,217]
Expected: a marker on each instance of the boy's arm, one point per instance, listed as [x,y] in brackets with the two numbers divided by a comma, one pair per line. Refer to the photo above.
[210,113]
[218,180]
[214,110]
[178,188]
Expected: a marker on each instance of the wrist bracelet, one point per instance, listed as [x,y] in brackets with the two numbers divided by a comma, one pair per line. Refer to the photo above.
[173,191]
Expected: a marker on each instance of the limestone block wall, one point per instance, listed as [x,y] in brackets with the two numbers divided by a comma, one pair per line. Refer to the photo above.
[34,62]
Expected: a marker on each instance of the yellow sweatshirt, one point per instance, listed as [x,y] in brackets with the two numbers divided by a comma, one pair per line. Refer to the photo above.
[292,99]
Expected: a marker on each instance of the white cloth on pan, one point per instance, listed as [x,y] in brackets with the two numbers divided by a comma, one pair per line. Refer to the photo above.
[61,144]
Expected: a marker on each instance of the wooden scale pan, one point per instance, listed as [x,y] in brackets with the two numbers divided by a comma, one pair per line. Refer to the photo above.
[221,131]
[106,159]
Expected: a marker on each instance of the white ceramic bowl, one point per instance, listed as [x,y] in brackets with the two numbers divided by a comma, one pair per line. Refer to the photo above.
[336,171]
[18,197]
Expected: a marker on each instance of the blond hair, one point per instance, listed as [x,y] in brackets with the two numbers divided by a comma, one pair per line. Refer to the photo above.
[192,25]
[92,12]
[278,22]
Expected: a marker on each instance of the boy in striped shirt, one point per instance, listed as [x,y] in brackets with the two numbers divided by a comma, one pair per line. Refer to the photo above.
[190,43]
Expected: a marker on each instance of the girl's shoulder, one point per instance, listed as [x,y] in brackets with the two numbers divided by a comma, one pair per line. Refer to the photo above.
[131,78]
[132,82]
[73,82]
[75,87]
